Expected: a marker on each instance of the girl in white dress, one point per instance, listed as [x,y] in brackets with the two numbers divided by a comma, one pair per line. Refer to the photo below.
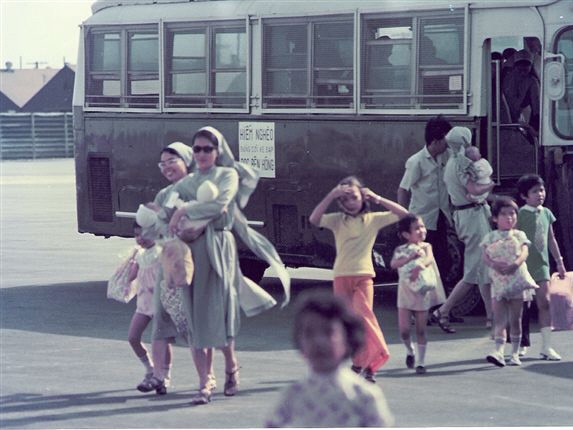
[505,251]
[419,287]
[144,272]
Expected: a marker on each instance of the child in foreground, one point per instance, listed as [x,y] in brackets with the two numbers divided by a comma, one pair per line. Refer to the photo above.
[419,286]
[504,252]
[355,229]
[327,332]
[146,272]
[536,221]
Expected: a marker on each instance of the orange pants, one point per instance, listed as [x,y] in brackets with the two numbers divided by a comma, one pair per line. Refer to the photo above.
[358,292]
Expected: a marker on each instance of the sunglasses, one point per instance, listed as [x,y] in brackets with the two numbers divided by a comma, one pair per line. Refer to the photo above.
[206,149]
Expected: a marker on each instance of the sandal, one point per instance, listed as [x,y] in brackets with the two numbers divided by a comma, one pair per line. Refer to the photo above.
[151,384]
[443,322]
[231,382]
[202,397]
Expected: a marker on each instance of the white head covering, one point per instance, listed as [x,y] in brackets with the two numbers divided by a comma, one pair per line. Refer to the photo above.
[459,138]
[184,151]
[248,176]
[145,217]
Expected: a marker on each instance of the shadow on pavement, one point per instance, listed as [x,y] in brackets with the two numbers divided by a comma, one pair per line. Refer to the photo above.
[82,309]
[562,369]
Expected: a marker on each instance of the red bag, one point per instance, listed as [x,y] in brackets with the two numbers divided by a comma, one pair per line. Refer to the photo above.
[561,301]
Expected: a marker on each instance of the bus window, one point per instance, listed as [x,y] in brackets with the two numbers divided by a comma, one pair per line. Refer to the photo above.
[412,62]
[441,61]
[564,107]
[142,70]
[206,66]
[104,72]
[230,74]
[387,63]
[293,79]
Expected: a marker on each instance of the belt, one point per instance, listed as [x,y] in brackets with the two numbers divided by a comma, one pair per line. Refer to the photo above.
[468,206]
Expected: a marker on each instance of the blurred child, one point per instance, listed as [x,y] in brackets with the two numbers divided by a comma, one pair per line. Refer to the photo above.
[480,172]
[536,221]
[504,252]
[327,332]
[419,286]
[355,229]
[146,272]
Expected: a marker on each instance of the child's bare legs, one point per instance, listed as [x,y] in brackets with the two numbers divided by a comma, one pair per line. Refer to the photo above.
[542,299]
[404,318]
[421,320]
[500,310]
[515,311]
[162,353]
[138,325]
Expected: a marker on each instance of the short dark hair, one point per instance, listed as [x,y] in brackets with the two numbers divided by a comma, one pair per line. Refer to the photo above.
[503,202]
[405,223]
[171,151]
[357,182]
[527,182]
[436,129]
[332,308]
[207,135]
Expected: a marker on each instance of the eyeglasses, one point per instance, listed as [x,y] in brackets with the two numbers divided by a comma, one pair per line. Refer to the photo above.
[206,149]
[168,162]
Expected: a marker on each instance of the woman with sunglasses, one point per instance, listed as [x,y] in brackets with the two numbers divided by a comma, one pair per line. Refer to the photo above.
[213,308]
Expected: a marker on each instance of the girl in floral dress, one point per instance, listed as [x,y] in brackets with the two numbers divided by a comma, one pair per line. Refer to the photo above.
[504,252]
[144,272]
[419,286]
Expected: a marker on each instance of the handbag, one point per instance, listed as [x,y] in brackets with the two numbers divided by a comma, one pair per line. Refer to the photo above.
[561,301]
[177,263]
[172,301]
[119,287]
[189,230]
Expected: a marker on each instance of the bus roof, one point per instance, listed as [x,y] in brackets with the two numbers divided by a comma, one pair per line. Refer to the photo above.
[132,11]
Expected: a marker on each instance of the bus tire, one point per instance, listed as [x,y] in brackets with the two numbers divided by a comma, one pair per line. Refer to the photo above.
[253,269]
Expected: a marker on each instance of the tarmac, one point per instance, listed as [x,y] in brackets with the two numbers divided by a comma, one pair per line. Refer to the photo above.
[66,363]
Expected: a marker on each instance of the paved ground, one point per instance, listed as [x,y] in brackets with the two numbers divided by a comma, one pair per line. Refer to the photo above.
[65,361]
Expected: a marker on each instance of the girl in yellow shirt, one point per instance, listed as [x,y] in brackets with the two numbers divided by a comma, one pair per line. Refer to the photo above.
[355,229]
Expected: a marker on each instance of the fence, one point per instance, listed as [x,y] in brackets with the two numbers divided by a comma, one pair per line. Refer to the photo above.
[36,135]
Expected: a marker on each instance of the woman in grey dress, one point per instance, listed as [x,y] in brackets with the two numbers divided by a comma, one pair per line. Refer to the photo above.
[471,221]
[212,303]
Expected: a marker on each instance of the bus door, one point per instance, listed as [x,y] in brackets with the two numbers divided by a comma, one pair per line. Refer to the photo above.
[513,108]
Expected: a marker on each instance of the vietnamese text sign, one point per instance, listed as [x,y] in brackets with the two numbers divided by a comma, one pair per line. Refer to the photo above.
[257,146]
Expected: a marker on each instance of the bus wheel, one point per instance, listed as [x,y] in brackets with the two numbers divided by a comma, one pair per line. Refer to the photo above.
[253,269]
[469,303]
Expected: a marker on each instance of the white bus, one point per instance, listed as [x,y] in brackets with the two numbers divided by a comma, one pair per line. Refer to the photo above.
[310,91]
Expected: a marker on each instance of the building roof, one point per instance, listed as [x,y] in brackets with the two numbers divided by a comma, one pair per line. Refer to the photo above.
[20,85]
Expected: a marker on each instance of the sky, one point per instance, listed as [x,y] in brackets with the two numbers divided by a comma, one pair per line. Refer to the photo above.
[43,31]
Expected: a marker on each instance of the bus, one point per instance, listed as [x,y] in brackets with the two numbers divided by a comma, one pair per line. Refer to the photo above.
[309,92]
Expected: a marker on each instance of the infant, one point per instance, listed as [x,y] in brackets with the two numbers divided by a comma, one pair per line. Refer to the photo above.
[480,172]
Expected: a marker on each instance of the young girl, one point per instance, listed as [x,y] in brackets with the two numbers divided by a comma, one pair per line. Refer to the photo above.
[145,271]
[504,252]
[327,332]
[355,229]
[419,286]
[536,221]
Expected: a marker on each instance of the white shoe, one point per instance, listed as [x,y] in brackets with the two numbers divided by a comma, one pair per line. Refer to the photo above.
[550,354]
[514,360]
[496,358]
[522,351]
